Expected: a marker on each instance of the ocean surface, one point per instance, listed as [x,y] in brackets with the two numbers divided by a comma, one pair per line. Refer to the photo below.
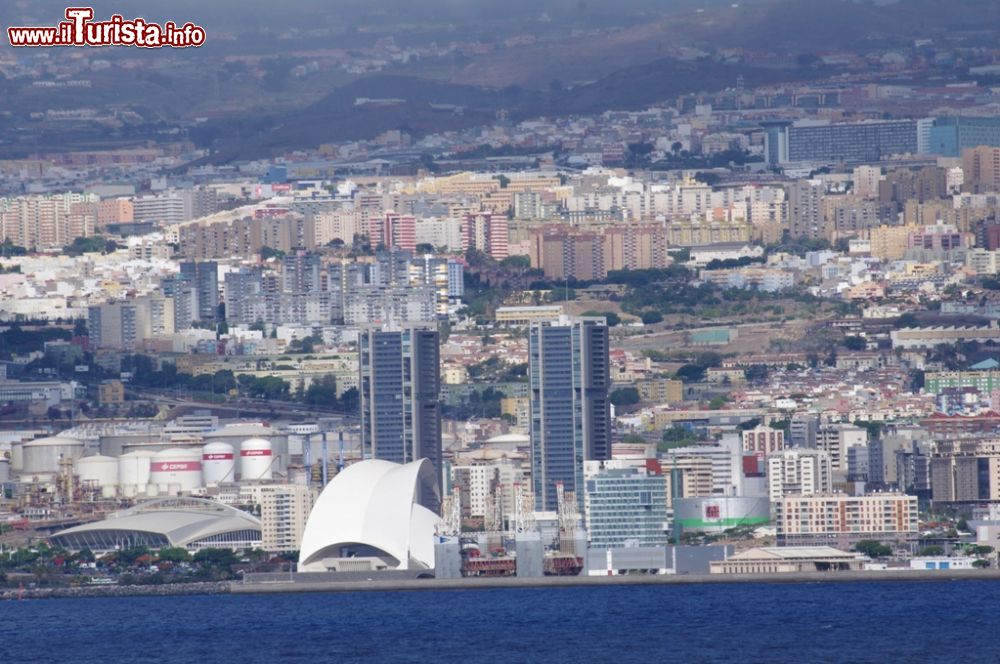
[831,622]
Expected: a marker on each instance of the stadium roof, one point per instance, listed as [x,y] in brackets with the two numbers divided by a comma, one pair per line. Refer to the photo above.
[191,523]
[373,503]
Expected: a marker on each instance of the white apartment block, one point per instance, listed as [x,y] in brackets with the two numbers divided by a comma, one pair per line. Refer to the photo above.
[284,510]
[798,471]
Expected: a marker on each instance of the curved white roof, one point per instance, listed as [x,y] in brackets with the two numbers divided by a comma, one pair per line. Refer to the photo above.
[164,522]
[373,503]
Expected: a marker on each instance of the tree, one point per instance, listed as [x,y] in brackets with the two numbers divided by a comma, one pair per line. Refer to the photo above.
[425,248]
[611,317]
[873,549]
[931,551]
[980,563]
[625,396]
[267,252]
[855,343]
[174,554]
[89,245]
[717,402]
[517,262]
[756,373]
[691,373]
[980,550]
[651,317]
[321,391]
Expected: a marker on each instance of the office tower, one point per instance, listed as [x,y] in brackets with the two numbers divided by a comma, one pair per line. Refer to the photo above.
[626,507]
[570,412]
[200,282]
[400,379]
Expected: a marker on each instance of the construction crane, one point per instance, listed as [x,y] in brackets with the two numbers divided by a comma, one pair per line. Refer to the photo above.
[524,509]
[451,508]
[567,509]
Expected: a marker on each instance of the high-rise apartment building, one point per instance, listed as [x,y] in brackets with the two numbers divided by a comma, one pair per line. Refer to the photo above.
[45,222]
[393,230]
[198,292]
[284,510]
[486,232]
[805,209]
[400,381]
[125,325]
[798,471]
[570,412]
[981,169]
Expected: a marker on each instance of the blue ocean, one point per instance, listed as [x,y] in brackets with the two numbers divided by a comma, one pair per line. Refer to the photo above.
[831,622]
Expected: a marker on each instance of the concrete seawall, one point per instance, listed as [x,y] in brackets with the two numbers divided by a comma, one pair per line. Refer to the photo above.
[376,584]
[400,584]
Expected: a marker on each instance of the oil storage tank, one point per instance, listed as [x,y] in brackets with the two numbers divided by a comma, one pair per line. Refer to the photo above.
[256,459]
[176,470]
[41,457]
[218,463]
[133,472]
[98,473]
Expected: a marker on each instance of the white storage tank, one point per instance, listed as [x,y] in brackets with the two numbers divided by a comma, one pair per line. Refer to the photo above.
[218,463]
[256,459]
[133,472]
[99,472]
[17,457]
[176,466]
[41,457]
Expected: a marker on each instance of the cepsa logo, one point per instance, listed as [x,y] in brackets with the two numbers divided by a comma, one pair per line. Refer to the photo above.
[79,29]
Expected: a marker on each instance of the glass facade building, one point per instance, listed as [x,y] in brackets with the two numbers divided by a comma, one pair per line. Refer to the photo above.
[626,507]
[400,384]
[570,413]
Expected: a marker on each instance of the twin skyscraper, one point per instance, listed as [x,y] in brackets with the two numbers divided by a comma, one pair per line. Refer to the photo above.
[569,372]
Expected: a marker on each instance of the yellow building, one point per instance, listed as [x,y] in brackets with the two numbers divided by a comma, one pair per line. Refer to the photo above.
[111,391]
[661,391]
[526,315]
[889,243]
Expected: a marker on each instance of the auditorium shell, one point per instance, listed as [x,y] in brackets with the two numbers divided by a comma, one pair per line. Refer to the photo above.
[370,511]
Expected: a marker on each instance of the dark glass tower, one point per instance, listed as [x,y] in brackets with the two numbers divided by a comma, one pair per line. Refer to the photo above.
[400,381]
[570,411]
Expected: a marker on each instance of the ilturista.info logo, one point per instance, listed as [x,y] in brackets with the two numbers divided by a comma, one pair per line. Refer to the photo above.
[80,29]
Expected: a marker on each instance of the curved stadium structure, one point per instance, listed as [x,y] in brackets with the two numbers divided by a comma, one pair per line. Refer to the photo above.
[189,523]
